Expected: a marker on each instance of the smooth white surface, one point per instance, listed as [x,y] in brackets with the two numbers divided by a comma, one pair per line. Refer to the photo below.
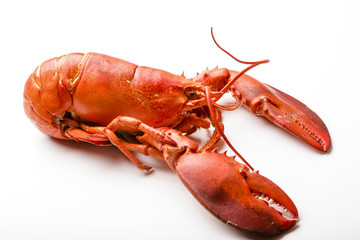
[52,189]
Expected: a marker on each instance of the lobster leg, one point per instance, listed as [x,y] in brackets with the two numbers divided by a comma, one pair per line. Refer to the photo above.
[115,141]
[136,124]
[157,138]
[83,136]
[190,123]
[283,110]
[95,136]
[103,136]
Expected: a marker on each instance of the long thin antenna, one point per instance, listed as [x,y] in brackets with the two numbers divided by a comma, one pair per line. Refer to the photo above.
[238,60]
[212,116]
[232,81]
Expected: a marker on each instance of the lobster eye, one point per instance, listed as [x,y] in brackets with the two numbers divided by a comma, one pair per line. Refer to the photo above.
[190,93]
[194,92]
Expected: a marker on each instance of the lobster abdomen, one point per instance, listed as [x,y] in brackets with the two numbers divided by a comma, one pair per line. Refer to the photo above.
[98,88]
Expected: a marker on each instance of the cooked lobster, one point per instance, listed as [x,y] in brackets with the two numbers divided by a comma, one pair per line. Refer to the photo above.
[105,100]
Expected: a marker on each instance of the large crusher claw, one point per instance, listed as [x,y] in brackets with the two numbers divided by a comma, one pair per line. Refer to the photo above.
[235,195]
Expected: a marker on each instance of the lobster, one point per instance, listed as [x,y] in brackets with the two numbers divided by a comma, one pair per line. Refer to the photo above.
[104,100]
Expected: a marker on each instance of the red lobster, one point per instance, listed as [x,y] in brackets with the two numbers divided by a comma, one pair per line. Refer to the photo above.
[104,100]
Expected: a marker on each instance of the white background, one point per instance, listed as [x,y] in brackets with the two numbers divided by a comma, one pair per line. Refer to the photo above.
[51,189]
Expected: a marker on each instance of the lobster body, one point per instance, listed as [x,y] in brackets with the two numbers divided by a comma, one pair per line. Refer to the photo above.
[123,88]
[104,100]
[75,83]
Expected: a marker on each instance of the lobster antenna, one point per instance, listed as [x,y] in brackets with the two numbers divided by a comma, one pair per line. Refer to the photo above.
[237,76]
[233,80]
[229,107]
[217,126]
[238,60]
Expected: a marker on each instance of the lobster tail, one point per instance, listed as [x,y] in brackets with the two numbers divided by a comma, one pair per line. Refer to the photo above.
[47,92]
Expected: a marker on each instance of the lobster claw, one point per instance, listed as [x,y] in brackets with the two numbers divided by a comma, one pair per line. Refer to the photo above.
[283,110]
[243,199]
